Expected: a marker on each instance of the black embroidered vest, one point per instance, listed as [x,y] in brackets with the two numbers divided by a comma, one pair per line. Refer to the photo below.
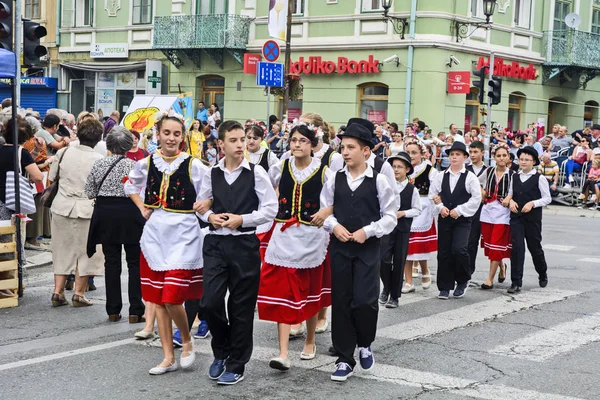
[299,199]
[173,192]
[264,160]
[405,204]
[326,159]
[422,182]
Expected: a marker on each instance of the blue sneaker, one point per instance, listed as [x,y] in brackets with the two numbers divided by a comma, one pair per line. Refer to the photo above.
[203,331]
[444,294]
[460,290]
[217,368]
[177,342]
[230,378]
[342,372]
[367,361]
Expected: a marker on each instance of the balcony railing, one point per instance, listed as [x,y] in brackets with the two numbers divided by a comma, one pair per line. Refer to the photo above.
[571,47]
[224,31]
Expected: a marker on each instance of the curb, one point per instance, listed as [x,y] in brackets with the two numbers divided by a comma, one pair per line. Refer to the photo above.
[39,261]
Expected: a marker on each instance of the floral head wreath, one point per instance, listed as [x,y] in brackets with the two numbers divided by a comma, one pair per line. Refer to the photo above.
[419,143]
[317,130]
[500,146]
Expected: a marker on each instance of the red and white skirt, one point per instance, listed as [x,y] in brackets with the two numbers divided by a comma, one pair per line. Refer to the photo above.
[170,287]
[496,241]
[264,239]
[293,295]
[422,243]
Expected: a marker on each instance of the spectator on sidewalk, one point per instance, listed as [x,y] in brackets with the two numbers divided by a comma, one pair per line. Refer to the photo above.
[111,122]
[591,185]
[380,142]
[549,169]
[581,154]
[530,140]
[595,136]
[49,134]
[201,114]
[561,141]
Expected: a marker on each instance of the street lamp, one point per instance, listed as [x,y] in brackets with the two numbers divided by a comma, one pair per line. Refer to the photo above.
[462,28]
[399,24]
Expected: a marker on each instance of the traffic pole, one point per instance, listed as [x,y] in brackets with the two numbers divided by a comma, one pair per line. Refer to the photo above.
[268,106]
[488,122]
[17,48]
[286,68]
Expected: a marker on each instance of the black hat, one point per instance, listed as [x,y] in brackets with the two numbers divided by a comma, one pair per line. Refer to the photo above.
[342,128]
[531,151]
[358,131]
[596,127]
[457,146]
[402,156]
[364,122]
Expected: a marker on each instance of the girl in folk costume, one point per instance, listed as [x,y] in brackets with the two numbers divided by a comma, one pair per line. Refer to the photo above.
[295,280]
[495,214]
[171,243]
[423,236]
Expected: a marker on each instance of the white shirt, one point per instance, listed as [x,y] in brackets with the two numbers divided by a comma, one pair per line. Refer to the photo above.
[458,138]
[337,161]
[388,203]
[477,170]
[472,187]
[416,208]
[542,185]
[267,198]
[256,157]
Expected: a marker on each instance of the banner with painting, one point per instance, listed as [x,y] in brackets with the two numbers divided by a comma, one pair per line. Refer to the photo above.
[184,105]
[278,10]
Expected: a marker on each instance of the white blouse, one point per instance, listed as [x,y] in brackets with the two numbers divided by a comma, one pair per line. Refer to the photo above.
[170,240]
[302,246]
[423,222]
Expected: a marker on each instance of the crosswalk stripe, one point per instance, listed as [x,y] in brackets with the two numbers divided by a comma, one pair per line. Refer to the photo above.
[543,345]
[473,313]
[558,247]
[589,260]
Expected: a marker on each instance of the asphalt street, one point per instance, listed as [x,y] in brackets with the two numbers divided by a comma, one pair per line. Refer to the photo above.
[540,344]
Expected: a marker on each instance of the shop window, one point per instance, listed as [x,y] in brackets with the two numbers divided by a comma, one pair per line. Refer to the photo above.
[32,9]
[561,9]
[596,20]
[515,106]
[142,12]
[372,5]
[523,13]
[373,100]
[472,108]
[84,12]
[590,113]
[211,7]
[557,109]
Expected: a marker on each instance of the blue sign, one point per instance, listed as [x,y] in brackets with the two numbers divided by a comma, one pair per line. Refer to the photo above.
[271,51]
[269,74]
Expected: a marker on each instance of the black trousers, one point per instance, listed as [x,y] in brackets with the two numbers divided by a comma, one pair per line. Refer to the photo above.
[474,239]
[231,263]
[193,308]
[354,294]
[530,230]
[112,278]
[453,254]
[394,249]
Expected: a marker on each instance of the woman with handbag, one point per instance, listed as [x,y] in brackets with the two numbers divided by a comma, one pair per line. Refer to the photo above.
[581,154]
[71,214]
[116,223]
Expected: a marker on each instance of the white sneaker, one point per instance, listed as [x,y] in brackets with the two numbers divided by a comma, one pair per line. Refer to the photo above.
[158,370]
[567,186]
[408,288]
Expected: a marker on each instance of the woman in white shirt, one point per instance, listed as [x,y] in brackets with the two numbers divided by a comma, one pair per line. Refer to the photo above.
[396,146]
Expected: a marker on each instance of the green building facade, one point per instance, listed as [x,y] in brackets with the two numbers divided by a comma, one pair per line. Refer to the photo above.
[547,67]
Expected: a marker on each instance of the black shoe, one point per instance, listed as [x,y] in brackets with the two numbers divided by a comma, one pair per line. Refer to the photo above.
[392,303]
[487,287]
[333,352]
[514,289]
[383,298]
[543,281]
[503,269]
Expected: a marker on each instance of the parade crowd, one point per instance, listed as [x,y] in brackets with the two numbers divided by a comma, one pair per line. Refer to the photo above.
[286,218]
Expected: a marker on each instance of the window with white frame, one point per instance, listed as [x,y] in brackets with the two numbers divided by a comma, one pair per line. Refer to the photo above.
[297,7]
[561,10]
[523,13]
[211,7]
[142,12]
[477,8]
[371,5]
[596,20]
[84,12]
[32,9]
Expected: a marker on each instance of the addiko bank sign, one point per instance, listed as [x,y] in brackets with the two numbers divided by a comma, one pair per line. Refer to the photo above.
[317,66]
[509,70]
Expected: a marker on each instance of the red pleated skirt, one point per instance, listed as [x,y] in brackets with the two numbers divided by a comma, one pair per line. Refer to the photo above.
[292,295]
[423,242]
[170,287]
[264,242]
[496,241]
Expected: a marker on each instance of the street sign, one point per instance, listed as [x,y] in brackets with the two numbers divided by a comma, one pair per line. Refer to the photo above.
[271,51]
[269,74]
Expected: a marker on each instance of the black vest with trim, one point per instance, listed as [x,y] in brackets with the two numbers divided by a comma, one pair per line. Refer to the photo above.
[459,196]
[356,209]
[523,193]
[422,181]
[481,172]
[299,199]
[503,185]
[238,198]
[172,192]
[264,160]
[405,204]
[326,159]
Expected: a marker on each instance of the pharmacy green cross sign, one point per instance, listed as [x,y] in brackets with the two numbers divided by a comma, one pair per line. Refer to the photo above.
[154,79]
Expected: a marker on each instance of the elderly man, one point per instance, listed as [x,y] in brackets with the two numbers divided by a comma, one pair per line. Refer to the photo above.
[595,137]
[381,142]
[549,169]
[111,122]
[562,140]
[530,140]
[455,135]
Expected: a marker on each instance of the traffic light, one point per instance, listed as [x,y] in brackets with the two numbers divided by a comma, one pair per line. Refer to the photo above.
[480,84]
[32,50]
[495,92]
[6,25]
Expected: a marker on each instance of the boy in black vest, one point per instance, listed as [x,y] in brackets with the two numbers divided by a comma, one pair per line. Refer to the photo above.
[530,192]
[476,151]
[231,251]
[364,210]
[395,245]
[460,195]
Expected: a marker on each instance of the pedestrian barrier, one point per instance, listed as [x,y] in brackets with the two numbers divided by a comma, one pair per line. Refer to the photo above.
[9,281]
